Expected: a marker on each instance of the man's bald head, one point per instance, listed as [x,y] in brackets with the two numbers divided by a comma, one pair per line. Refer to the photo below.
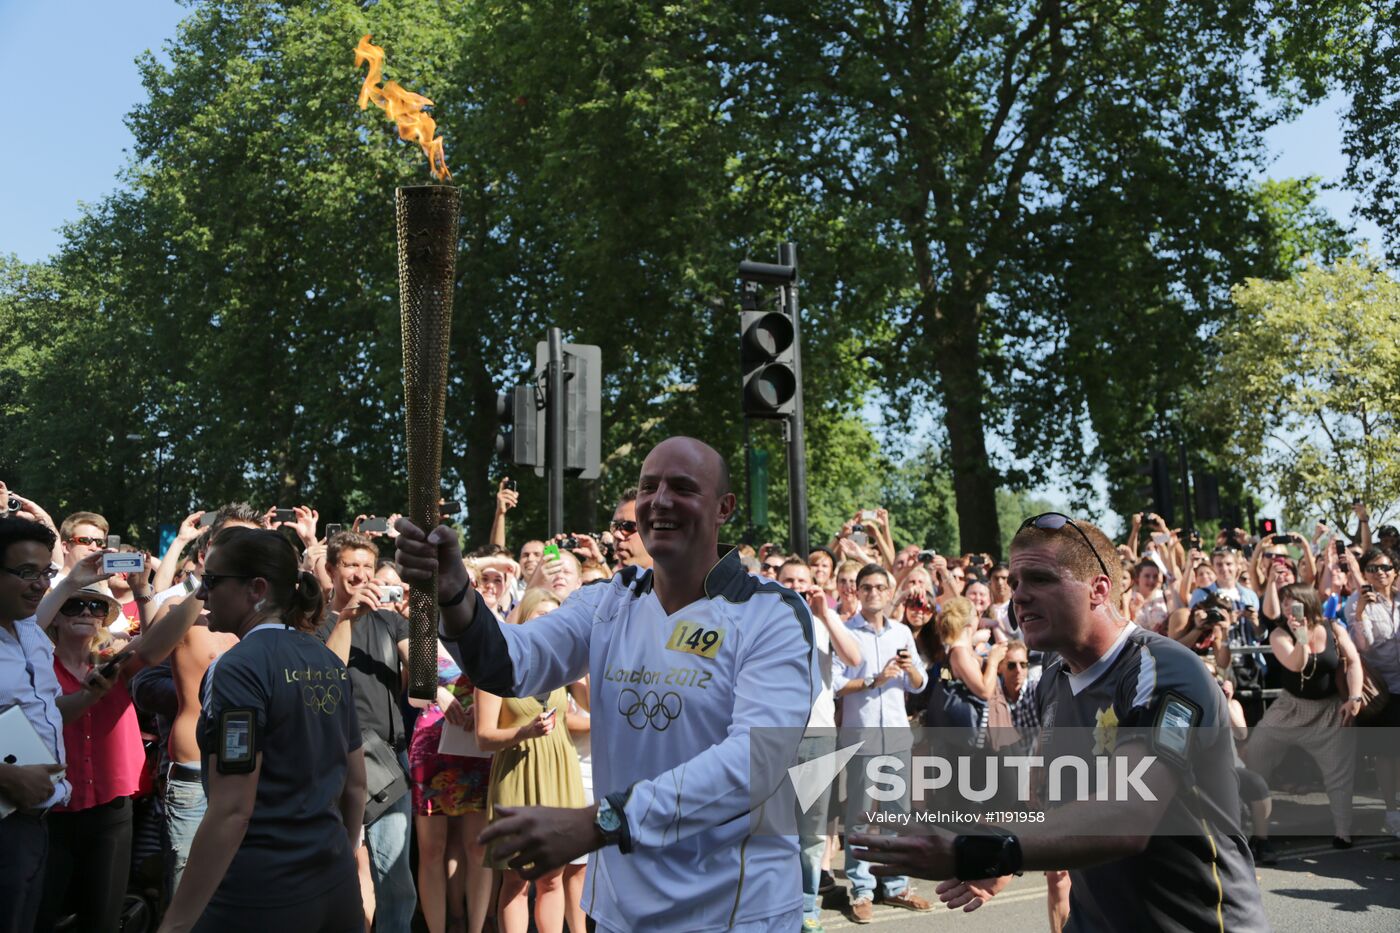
[706,460]
[683,498]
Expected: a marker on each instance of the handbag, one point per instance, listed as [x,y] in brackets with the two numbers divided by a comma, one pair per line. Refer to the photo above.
[953,710]
[385,781]
[1374,694]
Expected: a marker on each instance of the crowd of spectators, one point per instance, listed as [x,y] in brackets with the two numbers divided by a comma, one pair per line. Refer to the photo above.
[1297,631]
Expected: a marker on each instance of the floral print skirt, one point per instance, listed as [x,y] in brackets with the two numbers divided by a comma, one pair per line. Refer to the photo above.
[444,785]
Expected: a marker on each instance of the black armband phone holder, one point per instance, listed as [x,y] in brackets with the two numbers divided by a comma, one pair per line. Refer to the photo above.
[237,752]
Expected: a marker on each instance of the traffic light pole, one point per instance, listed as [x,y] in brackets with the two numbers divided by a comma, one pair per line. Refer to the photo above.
[554,430]
[797,444]
[1188,523]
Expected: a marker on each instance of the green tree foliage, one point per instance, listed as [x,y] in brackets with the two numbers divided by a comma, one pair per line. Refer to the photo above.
[1348,46]
[1051,199]
[1002,208]
[1309,374]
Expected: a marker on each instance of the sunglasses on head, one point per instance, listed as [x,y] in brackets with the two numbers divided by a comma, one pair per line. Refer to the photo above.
[75,607]
[1054,521]
[90,542]
[625,526]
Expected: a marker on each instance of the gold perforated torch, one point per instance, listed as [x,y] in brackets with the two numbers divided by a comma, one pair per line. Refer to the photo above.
[426,220]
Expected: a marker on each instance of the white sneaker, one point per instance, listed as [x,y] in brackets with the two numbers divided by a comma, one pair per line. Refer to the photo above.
[1392,822]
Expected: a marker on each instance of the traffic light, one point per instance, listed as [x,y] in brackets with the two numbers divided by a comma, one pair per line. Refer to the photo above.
[518,439]
[583,407]
[1158,492]
[1207,496]
[767,357]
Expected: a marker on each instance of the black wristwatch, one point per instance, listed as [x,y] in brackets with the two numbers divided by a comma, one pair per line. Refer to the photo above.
[612,822]
[986,855]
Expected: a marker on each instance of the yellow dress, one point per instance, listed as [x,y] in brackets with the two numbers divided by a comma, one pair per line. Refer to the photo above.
[540,772]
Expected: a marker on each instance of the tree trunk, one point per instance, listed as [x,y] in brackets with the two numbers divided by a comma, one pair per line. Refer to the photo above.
[974,480]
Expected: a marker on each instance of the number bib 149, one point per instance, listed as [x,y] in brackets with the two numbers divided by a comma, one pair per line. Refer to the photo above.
[695,639]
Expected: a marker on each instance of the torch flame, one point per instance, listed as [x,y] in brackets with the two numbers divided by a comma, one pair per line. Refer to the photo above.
[404,107]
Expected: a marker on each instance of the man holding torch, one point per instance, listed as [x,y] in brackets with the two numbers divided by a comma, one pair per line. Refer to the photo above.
[688,657]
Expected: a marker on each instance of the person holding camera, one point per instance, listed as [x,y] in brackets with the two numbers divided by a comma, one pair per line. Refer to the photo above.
[90,835]
[1309,712]
[873,710]
[1374,613]
[372,641]
[280,753]
[29,683]
[1206,631]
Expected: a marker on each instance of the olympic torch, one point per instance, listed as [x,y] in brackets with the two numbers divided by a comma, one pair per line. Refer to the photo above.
[426,221]
[427,233]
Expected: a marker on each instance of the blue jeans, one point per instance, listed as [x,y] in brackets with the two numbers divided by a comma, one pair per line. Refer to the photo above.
[388,841]
[185,804]
[859,803]
[812,829]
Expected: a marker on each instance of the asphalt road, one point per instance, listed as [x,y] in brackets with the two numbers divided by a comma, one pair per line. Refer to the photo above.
[1313,887]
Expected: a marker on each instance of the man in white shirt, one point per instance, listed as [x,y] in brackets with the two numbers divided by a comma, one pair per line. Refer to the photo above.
[27,680]
[873,714]
[687,660]
[830,635]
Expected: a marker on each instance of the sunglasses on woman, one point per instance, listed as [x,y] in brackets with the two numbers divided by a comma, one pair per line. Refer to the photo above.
[1054,521]
[76,607]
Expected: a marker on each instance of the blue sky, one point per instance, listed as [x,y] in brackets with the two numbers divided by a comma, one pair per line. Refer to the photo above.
[76,59]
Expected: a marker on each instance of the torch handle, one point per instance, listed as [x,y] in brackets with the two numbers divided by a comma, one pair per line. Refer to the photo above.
[427,240]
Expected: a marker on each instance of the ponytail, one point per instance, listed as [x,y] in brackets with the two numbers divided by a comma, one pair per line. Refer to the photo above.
[304,610]
[258,552]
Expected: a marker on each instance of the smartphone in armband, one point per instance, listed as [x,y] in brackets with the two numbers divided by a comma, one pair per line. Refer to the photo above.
[236,728]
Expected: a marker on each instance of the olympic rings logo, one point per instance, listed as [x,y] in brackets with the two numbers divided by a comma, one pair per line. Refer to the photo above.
[648,708]
[322,699]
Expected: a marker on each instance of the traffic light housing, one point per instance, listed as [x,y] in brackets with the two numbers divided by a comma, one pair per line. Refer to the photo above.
[1158,491]
[583,407]
[767,354]
[1207,489]
[518,439]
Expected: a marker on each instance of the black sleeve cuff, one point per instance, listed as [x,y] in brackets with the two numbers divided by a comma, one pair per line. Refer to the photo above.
[482,651]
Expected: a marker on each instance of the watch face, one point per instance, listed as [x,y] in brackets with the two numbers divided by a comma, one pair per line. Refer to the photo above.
[608,819]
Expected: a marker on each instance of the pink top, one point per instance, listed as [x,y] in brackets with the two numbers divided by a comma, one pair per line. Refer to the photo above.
[104,750]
